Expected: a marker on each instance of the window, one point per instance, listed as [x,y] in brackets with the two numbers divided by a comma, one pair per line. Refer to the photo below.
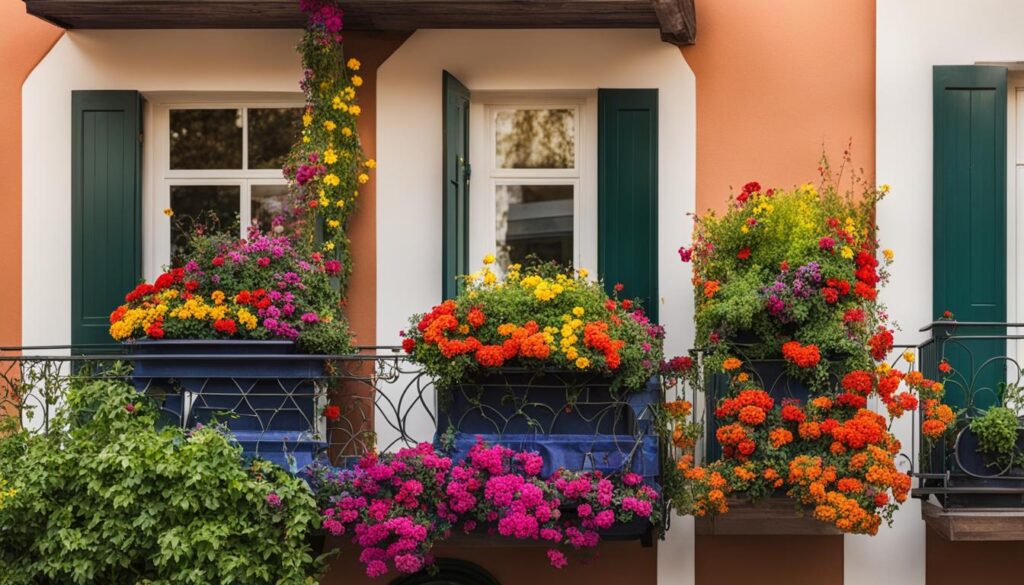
[219,165]
[531,193]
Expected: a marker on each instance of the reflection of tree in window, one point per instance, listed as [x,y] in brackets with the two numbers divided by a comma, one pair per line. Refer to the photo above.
[212,208]
[206,139]
[272,131]
[536,139]
[534,220]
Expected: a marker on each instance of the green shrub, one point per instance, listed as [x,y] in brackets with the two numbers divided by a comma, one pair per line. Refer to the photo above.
[111,498]
[997,435]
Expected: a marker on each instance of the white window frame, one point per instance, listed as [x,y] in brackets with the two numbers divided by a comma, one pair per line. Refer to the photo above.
[486,176]
[158,177]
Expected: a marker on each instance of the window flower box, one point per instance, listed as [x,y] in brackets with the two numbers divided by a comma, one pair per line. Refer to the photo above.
[263,391]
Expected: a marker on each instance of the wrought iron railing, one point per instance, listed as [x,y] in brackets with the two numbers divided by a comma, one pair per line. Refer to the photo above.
[981,369]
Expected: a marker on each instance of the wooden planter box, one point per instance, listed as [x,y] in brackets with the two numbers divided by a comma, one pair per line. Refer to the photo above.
[775,515]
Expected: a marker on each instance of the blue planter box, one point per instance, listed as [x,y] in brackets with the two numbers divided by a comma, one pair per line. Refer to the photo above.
[972,469]
[575,421]
[263,391]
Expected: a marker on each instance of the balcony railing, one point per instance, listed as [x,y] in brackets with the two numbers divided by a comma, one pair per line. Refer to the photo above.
[982,368]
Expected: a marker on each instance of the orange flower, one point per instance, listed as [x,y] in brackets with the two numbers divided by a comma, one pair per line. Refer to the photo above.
[752,415]
[731,364]
[710,288]
[780,437]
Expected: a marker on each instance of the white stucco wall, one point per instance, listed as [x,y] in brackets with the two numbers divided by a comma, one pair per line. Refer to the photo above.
[146,60]
[409,130]
[912,36]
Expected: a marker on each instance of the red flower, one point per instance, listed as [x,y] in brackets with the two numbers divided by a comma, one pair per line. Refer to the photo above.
[191,285]
[156,329]
[243,297]
[858,381]
[218,261]
[944,367]
[619,286]
[793,413]
[476,317]
[840,285]
[853,315]
[947,314]
[332,412]
[851,400]
[864,291]
[226,326]
[743,254]
[627,305]
[490,356]
[118,314]
[752,187]
[804,356]
[880,344]
[831,295]
[784,266]
[163,281]
[408,344]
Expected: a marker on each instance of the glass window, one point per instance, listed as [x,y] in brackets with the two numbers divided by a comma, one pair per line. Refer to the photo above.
[534,220]
[223,168]
[206,139]
[207,207]
[272,132]
[271,208]
[535,139]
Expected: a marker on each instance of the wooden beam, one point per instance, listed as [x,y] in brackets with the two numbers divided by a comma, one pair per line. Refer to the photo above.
[772,515]
[974,524]
[387,15]
[678,20]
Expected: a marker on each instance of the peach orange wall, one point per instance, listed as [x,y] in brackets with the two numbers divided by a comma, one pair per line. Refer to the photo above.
[776,81]
[371,49]
[24,40]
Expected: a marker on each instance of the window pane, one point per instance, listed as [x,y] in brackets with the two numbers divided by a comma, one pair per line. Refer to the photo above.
[535,139]
[272,208]
[213,208]
[206,139]
[534,220]
[272,131]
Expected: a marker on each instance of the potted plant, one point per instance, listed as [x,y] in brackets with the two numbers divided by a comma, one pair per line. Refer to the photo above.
[544,359]
[795,343]
[240,323]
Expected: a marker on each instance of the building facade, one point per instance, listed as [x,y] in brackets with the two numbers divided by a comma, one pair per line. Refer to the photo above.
[763,89]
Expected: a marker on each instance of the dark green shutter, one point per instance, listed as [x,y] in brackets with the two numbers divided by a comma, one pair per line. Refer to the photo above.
[455,241]
[106,203]
[627,192]
[969,215]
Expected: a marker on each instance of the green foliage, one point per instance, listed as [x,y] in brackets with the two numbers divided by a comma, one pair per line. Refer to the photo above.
[111,498]
[997,435]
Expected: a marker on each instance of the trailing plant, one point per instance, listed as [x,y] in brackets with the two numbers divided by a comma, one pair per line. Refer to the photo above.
[794,276]
[108,497]
[997,435]
[541,316]
[327,166]
[262,287]
[397,506]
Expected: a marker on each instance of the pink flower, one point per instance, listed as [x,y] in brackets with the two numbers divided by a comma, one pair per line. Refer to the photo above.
[685,254]
[557,558]
[274,500]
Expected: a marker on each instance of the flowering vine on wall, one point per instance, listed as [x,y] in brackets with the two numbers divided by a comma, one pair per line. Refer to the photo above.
[327,166]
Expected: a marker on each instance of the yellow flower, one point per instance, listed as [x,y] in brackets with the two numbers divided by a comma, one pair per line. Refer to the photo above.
[324,201]
[346,131]
[908,356]
[334,223]
[329,125]
[571,353]
[168,211]
[583,272]
[305,139]
[889,254]
[582,363]
[357,81]
[578,311]
[847,252]
[884,188]
[330,157]
[353,64]
[328,246]
[363,178]
[332,180]
[744,229]
[337,104]
[307,119]
[340,203]
[489,277]
[217,296]
[463,329]
[355,110]
[371,164]
[489,259]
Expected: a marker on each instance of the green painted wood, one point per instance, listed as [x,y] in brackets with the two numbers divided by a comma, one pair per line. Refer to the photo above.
[455,240]
[106,204]
[627,192]
[969,220]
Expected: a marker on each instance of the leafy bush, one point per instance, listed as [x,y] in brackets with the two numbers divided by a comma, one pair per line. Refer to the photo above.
[112,499]
[997,435]
[536,317]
